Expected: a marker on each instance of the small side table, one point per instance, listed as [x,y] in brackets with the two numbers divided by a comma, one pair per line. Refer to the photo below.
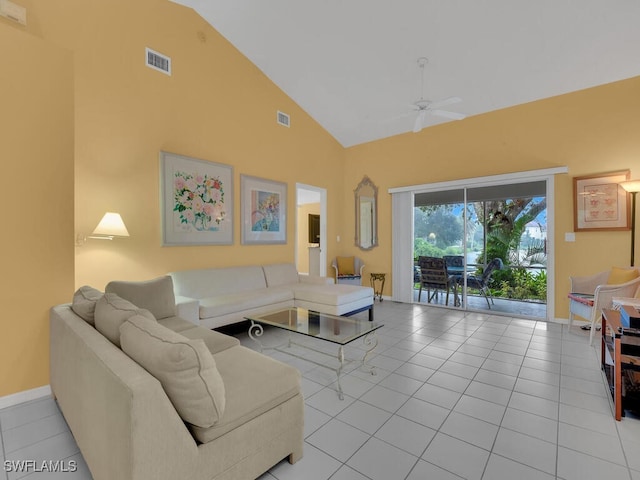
[377,277]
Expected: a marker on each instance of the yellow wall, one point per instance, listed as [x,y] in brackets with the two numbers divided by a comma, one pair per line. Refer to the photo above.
[303,234]
[36,151]
[590,131]
[220,107]
[216,106]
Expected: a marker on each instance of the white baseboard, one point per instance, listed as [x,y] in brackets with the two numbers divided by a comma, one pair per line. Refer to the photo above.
[576,321]
[24,396]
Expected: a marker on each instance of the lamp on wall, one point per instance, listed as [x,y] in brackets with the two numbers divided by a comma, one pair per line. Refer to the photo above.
[633,187]
[110,226]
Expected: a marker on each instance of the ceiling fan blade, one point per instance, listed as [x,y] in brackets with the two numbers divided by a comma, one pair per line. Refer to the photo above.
[419,121]
[451,115]
[445,102]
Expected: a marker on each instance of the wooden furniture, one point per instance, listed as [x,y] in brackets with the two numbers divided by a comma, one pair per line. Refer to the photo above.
[620,358]
[433,277]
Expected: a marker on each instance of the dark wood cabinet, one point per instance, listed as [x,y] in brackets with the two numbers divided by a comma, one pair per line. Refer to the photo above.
[620,362]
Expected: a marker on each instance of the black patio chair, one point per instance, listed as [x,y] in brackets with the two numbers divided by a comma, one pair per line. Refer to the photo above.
[481,282]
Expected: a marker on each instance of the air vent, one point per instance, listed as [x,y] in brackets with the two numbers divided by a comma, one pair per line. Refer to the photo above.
[158,61]
[284,119]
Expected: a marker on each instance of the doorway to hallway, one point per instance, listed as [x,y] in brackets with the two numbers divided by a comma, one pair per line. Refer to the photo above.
[311,229]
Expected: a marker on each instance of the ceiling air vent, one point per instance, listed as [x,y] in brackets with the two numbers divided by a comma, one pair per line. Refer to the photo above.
[284,119]
[158,61]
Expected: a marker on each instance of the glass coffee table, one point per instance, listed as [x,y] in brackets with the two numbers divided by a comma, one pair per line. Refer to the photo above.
[329,328]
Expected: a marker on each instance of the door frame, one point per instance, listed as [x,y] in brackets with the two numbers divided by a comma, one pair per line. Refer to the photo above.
[402,211]
[323,224]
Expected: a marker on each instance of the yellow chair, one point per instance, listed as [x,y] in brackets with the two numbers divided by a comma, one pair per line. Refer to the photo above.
[348,270]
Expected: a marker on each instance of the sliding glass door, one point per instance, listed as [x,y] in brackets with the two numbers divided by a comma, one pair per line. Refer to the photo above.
[493,239]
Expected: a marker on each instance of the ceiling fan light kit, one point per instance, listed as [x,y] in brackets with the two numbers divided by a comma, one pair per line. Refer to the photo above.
[424,107]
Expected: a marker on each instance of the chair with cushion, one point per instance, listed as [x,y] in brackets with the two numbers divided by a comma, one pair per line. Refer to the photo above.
[348,270]
[481,282]
[434,277]
[591,293]
[455,263]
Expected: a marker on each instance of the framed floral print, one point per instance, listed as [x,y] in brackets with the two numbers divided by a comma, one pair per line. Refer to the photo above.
[264,211]
[600,203]
[196,201]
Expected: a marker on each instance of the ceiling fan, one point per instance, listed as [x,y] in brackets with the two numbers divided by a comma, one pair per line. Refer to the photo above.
[424,107]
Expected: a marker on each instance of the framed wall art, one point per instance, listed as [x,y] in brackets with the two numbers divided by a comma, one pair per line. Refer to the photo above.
[600,203]
[196,201]
[264,211]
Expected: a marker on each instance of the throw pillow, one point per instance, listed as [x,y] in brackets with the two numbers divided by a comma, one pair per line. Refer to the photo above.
[154,295]
[84,303]
[185,368]
[622,275]
[112,311]
[346,265]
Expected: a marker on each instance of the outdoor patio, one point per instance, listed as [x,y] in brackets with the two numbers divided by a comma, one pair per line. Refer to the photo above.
[509,307]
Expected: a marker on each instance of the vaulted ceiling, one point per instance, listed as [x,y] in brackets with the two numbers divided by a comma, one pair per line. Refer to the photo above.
[352,64]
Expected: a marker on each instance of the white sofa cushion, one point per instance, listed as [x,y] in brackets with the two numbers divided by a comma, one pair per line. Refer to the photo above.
[236,302]
[112,311]
[257,384]
[155,295]
[210,282]
[215,341]
[332,294]
[84,303]
[185,368]
[280,274]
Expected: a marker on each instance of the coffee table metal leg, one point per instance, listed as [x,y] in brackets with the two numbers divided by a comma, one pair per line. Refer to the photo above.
[371,341]
[339,371]
[255,332]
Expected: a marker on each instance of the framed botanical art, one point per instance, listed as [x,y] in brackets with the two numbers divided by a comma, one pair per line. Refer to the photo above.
[196,201]
[600,203]
[264,210]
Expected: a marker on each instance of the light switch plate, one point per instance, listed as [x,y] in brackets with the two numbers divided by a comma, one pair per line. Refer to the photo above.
[570,237]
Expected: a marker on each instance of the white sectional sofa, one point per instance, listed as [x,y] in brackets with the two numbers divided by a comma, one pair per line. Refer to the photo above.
[215,297]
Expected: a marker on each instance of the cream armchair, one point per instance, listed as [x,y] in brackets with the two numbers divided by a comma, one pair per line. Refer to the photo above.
[348,270]
[591,293]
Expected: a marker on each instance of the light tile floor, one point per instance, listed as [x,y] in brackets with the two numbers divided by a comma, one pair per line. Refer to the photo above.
[456,396]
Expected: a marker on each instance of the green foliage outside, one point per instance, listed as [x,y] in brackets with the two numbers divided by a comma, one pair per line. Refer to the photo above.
[505,230]
[424,248]
[438,232]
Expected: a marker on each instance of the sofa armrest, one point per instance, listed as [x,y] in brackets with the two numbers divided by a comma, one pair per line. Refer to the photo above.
[588,283]
[113,405]
[188,308]
[316,279]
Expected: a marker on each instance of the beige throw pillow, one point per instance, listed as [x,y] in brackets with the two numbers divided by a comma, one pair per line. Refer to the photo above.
[84,303]
[112,311]
[155,295]
[185,368]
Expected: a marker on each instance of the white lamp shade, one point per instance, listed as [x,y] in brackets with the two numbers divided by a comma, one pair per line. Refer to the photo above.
[111,225]
[631,185]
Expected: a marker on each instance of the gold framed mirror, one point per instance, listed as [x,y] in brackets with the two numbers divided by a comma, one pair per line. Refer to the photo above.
[366,197]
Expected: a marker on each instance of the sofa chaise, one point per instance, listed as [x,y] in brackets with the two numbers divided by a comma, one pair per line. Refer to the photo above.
[215,297]
[149,395]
